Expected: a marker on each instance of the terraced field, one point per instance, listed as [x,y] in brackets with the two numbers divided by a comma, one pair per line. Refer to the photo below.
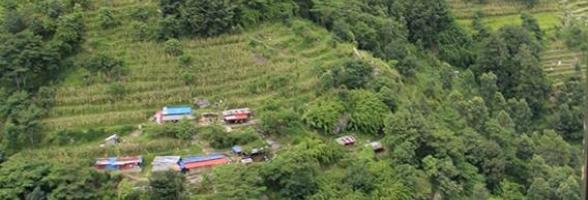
[242,70]
[464,9]
[575,8]
[557,60]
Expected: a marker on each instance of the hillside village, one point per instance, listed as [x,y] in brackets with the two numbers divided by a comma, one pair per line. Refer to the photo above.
[292,99]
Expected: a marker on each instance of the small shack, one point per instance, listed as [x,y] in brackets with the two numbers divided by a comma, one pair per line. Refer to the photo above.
[376,146]
[122,164]
[235,116]
[237,149]
[346,140]
[173,114]
[166,163]
[112,140]
[191,163]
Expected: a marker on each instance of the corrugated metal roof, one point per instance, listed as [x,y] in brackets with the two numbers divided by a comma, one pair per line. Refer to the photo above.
[207,163]
[119,160]
[166,159]
[177,110]
[237,149]
[189,159]
[246,111]
[346,140]
[166,163]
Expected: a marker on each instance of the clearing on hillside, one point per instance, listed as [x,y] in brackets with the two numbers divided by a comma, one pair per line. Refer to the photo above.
[242,70]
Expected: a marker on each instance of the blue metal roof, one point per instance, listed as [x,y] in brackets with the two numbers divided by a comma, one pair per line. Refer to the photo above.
[189,159]
[237,149]
[177,110]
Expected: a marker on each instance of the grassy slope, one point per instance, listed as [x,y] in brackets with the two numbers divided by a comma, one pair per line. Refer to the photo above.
[225,67]
[549,14]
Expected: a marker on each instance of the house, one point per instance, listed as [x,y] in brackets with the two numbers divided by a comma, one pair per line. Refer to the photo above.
[234,116]
[173,114]
[122,164]
[346,140]
[376,146]
[166,163]
[190,163]
[111,140]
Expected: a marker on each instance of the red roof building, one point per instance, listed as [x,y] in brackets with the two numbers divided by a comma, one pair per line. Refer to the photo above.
[207,161]
[240,115]
[346,140]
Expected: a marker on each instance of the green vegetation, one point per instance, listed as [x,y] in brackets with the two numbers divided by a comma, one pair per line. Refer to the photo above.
[456,91]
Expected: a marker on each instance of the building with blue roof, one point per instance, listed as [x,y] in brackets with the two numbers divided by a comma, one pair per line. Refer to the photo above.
[173,114]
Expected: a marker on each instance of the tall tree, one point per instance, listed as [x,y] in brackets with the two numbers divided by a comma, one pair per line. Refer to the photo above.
[167,185]
[531,24]
[531,83]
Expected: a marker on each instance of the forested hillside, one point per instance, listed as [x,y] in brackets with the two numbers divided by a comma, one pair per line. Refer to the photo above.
[468,99]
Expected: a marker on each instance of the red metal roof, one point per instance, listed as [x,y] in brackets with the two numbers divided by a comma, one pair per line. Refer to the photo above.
[240,116]
[206,163]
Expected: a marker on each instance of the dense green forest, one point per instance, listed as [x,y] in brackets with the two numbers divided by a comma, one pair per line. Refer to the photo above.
[463,113]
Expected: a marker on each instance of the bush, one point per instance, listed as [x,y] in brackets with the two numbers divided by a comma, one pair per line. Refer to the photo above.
[408,66]
[187,77]
[74,136]
[101,63]
[141,31]
[173,47]
[353,74]
[106,18]
[117,91]
[219,138]
[141,13]
[367,112]
[185,60]
[324,114]
[279,121]
[184,130]
[167,185]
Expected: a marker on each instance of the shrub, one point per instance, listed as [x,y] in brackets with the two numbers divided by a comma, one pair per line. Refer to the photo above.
[219,138]
[367,112]
[388,97]
[106,18]
[173,47]
[353,74]
[185,60]
[75,136]
[187,77]
[167,185]
[141,31]
[117,90]
[408,66]
[101,63]
[141,13]
[184,130]
[324,114]
[279,121]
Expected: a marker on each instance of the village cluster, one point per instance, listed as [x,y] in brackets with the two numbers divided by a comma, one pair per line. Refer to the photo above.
[201,163]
